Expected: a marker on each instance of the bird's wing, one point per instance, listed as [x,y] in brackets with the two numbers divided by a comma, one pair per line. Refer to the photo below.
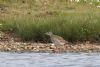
[61,39]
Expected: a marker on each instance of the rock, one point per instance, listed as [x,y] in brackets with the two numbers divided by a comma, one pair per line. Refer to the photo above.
[8,49]
[53,47]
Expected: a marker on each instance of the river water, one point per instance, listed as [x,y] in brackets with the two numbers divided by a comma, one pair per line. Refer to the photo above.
[49,59]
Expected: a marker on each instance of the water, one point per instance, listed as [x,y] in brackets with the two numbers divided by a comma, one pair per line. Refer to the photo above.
[49,60]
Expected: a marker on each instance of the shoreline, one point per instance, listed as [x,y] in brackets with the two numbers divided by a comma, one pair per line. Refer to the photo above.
[48,48]
[9,43]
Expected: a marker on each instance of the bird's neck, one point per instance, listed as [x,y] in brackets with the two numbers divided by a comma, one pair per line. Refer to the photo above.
[51,35]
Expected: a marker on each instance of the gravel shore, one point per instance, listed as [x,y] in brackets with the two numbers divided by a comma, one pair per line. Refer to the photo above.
[9,43]
[41,47]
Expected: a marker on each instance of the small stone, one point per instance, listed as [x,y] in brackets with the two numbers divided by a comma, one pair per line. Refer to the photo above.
[9,49]
[18,50]
[53,47]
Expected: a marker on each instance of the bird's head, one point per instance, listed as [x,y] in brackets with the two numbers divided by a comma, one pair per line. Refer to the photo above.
[49,33]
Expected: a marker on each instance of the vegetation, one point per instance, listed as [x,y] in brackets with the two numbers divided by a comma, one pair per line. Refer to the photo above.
[31,19]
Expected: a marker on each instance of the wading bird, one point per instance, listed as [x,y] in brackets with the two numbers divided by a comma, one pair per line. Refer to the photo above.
[56,40]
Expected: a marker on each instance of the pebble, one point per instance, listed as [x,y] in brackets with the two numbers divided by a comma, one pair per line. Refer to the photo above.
[45,48]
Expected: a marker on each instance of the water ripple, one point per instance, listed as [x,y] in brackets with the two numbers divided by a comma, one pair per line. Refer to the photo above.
[49,60]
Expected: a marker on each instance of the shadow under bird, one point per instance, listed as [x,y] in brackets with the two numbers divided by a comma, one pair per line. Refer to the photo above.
[56,40]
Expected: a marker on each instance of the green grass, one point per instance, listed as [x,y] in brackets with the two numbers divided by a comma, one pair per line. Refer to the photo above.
[71,26]
[74,22]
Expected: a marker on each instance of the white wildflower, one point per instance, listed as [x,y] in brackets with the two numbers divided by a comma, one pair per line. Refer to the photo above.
[0,24]
[98,6]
